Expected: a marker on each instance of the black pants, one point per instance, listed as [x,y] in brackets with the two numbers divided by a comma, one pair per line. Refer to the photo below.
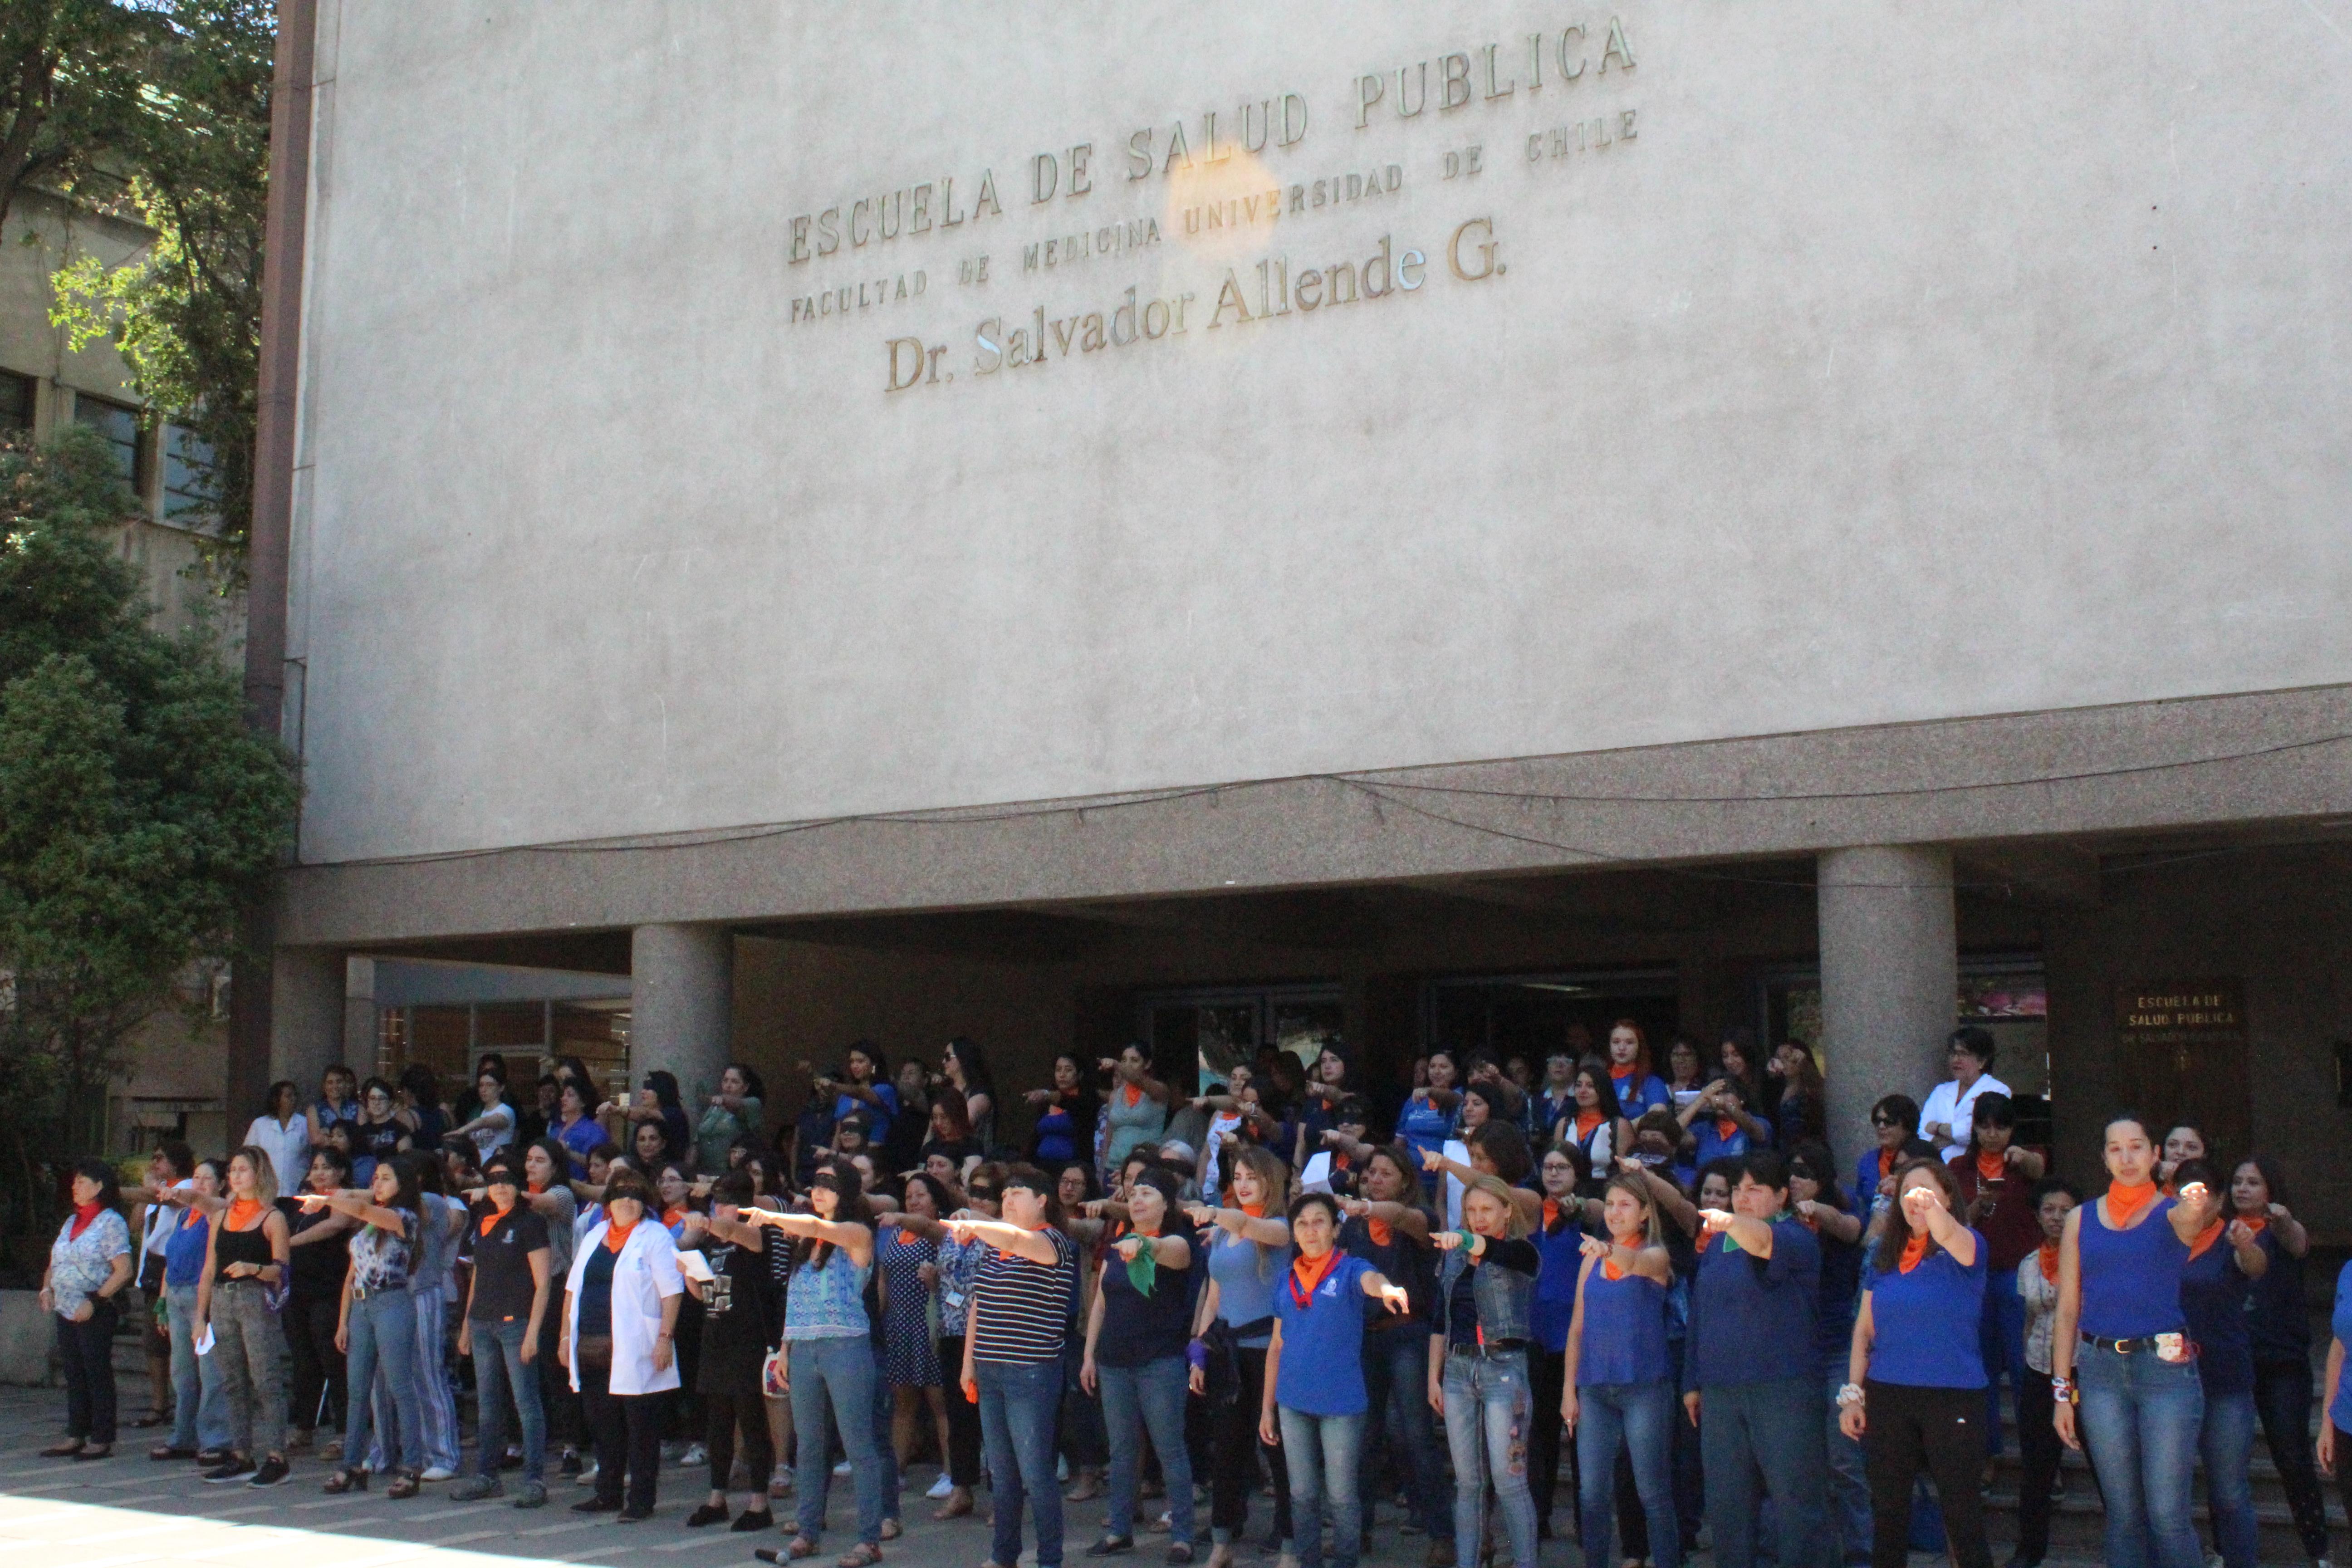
[1234,1441]
[565,1426]
[88,1349]
[628,1428]
[1942,1431]
[1548,1371]
[2344,1465]
[963,1416]
[2041,1447]
[309,1323]
[2283,1397]
[1085,1441]
[740,1402]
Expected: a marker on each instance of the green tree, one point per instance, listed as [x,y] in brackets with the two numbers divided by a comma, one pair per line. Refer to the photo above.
[66,82]
[138,813]
[191,128]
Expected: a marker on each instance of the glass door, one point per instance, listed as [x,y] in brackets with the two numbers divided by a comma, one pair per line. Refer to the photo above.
[1205,1032]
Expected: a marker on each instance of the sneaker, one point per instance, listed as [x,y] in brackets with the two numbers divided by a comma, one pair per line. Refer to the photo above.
[230,1469]
[437,1473]
[842,1468]
[696,1454]
[587,1477]
[332,1450]
[207,1457]
[570,1463]
[477,1488]
[597,1505]
[273,1470]
[941,1488]
[531,1494]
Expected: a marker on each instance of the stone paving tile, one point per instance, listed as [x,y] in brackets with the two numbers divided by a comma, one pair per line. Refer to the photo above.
[131,1512]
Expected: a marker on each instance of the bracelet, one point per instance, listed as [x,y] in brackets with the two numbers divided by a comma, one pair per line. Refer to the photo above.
[2063,1390]
[1849,1396]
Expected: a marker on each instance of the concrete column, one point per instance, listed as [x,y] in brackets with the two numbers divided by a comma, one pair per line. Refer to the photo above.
[306,1023]
[681,1008]
[1890,979]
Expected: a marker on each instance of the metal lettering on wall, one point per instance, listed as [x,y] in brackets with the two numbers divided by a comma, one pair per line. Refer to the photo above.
[1216,199]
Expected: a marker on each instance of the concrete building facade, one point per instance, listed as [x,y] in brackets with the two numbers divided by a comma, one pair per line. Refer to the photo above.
[1456,520]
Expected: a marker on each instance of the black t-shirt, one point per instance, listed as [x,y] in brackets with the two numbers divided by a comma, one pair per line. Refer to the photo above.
[502,1283]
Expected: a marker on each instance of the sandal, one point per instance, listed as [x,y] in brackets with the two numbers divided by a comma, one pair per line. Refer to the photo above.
[798,1547]
[65,1450]
[958,1503]
[346,1481]
[409,1484]
[892,1530]
[865,1554]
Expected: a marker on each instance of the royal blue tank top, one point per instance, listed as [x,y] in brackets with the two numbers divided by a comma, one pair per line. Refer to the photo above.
[2131,1279]
[1624,1331]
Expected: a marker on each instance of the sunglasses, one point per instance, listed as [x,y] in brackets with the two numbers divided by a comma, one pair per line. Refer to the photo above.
[1884,1122]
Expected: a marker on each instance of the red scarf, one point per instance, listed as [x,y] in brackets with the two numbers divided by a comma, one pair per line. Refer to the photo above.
[2049,1256]
[243,1209]
[2123,1203]
[616,1235]
[1134,1094]
[2205,1239]
[1725,1127]
[1991,1167]
[82,1215]
[490,1221]
[1586,1121]
[1913,1251]
[1307,1273]
[1339,1162]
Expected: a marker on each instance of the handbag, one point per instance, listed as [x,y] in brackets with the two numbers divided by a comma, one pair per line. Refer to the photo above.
[593,1351]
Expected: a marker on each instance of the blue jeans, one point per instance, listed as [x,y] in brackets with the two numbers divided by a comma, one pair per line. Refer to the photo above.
[2140,1420]
[1323,1451]
[1489,1415]
[885,1449]
[382,1336]
[199,1410]
[499,1366]
[842,1368]
[1774,1426]
[2000,1340]
[1847,1497]
[1136,1399]
[1396,1377]
[1019,1404]
[1639,1416]
[2225,1442]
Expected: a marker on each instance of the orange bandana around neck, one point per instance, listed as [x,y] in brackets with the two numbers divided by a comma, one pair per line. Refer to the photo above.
[1255,1211]
[2205,1239]
[1550,1215]
[1725,1127]
[243,1209]
[1991,1167]
[2125,1202]
[1885,1162]
[2049,1256]
[1134,1095]
[616,1235]
[1307,1273]
[1586,1121]
[1913,1251]
[2256,1223]
[1380,1230]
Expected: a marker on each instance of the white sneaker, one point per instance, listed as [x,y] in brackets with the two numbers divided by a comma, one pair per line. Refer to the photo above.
[696,1454]
[941,1488]
[587,1475]
[437,1473]
[842,1468]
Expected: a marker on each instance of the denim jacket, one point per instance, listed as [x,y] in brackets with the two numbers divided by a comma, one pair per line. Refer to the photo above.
[1505,1299]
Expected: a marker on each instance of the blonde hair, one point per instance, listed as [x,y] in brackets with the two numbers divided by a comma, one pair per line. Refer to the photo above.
[1515,1223]
[1275,1174]
[265,1171]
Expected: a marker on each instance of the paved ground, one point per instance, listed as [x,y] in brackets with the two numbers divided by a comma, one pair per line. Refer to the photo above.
[131,1512]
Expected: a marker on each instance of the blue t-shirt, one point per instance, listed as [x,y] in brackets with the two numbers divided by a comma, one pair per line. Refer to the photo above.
[1925,1322]
[1245,1274]
[1710,1143]
[878,1120]
[2216,1295]
[1636,1095]
[1624,1331]
[2339,1409]
[1421,1126]
[1555,1307]
[579,1140]
[1322,1370]
[1752,1318]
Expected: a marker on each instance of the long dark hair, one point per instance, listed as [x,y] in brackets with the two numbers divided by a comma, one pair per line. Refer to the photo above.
[754,1088]
[978,1078]
[2273,1178]
[1812,1160]
[1604,1088]
[110,1182]
[1897,1235]
[853,1208]
[665,1087]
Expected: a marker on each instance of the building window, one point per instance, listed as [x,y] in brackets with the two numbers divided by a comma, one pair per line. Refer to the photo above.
[15,403]
[120,425]
[191,481]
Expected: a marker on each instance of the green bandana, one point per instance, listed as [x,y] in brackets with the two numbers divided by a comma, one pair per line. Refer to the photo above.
[1143,1269]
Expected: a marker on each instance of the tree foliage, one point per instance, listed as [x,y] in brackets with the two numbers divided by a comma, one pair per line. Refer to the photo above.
[138,813]
[191,131]
[67,82]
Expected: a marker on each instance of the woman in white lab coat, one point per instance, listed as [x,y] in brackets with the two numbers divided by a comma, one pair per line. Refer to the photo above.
[620,1319]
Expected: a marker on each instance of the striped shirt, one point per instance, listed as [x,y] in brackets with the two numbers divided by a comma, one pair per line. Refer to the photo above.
[1024,1306]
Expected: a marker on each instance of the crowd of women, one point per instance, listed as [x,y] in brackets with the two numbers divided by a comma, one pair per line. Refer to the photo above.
[1663,1283]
